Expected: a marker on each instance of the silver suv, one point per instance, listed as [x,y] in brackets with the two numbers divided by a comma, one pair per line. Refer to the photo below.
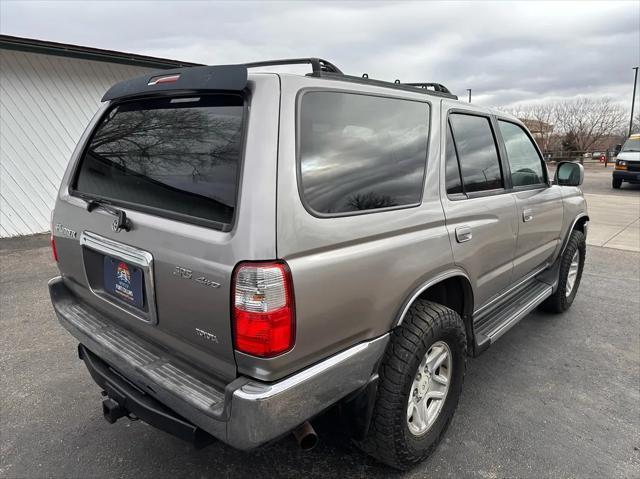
[239,252]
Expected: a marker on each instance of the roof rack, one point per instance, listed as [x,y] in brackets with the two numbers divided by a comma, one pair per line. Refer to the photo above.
[436,86]
[325,69]
[318,65]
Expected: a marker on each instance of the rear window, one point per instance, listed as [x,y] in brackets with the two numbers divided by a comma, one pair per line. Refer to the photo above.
[171,156]
[360,152]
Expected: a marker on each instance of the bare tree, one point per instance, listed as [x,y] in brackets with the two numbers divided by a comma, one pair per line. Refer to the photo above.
[161,140]
[370,200]
[587,120]
[581,122]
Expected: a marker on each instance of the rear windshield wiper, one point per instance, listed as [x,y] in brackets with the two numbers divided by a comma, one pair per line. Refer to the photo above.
[120,223]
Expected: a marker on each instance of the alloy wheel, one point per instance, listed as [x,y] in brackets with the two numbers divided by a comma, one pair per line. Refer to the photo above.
[573,273]
[429,388]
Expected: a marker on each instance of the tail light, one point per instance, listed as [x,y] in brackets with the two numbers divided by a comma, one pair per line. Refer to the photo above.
[53,248]
[53,241]
[263,309]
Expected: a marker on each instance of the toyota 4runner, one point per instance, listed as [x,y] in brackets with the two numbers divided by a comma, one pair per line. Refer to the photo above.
[239,252]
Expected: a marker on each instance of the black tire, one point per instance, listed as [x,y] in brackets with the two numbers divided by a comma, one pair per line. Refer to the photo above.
[616,184]
[559,302]
[389,439]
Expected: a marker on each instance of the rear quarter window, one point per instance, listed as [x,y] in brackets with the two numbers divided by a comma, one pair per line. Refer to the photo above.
[172,156]
[359,153]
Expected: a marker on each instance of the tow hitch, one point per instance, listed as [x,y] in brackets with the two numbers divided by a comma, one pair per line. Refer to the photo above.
[111,409]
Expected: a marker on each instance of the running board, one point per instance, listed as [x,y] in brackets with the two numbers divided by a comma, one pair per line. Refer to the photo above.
[493,322]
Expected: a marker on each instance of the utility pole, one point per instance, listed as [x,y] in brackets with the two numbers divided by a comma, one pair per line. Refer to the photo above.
[633,98]
[469,89]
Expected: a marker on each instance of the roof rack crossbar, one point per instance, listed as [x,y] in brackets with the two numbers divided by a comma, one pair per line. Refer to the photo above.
[436,86]
[318,65]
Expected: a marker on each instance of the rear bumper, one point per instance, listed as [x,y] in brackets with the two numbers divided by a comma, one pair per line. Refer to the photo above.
[245,413]
[122,398]
[630,176]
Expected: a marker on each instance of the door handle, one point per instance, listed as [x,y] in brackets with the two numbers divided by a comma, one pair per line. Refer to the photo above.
[527,215]
[463,233]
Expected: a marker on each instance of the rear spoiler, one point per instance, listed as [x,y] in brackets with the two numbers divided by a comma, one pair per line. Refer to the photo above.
[190,79]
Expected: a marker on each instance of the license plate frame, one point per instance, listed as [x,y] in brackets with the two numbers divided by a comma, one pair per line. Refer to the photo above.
[93,244]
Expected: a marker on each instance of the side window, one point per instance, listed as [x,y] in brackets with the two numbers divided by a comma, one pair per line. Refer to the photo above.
[524,162]
[360,152]
[477,152]
[452,169]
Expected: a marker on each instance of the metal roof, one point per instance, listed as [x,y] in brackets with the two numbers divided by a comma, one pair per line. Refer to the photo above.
[9,42]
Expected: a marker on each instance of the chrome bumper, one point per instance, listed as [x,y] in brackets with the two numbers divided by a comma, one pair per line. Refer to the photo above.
[245,413]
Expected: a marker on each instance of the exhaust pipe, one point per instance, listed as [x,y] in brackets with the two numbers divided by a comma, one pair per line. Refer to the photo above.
[306,436]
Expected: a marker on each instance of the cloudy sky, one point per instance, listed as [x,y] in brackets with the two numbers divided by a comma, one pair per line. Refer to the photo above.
[507,52]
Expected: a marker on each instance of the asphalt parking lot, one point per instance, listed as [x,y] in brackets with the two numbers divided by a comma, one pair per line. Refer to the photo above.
[557,396]
[597,181]
[614,214]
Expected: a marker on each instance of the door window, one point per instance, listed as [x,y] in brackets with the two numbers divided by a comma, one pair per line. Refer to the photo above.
[524,162]
[452,168]
[477,153]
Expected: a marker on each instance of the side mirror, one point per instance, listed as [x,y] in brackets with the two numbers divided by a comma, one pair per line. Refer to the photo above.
[569,174]
[618,148]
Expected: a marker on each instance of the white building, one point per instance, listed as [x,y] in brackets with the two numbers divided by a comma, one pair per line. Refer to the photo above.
[48,93]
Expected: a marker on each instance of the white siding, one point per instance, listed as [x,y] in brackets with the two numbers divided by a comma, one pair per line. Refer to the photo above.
[45,104]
